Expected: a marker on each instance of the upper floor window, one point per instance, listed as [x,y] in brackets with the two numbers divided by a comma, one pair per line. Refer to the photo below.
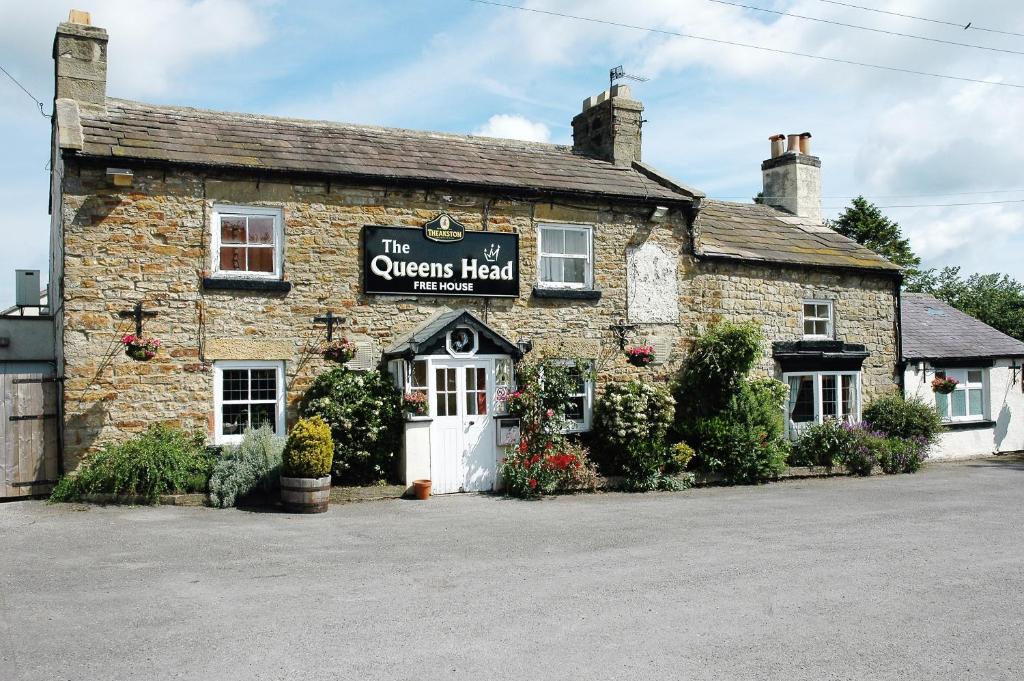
[967,401]
[565,257]
[247,241]
[817,319]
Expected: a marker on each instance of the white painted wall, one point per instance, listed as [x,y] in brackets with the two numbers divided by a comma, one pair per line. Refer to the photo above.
[1004,404]
[416,453]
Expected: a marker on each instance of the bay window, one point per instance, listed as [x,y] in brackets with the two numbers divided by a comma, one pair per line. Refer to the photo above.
[820,395]
[967,401]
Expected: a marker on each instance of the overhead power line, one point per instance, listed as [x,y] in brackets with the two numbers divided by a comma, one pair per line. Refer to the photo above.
[965,26]
[834,60]
[865,28]
[890,196]
[23,89]
[937,205]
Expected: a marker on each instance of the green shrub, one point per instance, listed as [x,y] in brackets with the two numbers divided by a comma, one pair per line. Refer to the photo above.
[681,454]
[719,362]
[309,450]
[823,444]
[364,411]
[253,464]
[631,421]
[902,456]
[868,448]
[162,460]
[906,419]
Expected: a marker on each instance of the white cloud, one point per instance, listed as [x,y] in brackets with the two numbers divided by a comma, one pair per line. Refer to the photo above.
[511,126]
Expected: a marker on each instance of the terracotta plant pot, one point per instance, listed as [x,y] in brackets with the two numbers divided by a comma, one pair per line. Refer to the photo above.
[306,495]
[422,489]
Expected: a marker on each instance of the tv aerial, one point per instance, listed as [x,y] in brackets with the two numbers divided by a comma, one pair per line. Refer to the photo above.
[618,73]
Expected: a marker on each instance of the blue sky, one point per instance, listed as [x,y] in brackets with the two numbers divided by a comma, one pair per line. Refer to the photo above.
[457,66]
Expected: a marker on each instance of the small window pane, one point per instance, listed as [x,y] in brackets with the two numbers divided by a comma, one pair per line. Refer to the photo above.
[575,271]
[574,410]
[264,384]
[975,402]
[235,418]
[419,374]
[263,415]
[235,385]
[261,259]
[232,258]
[552,241]
[261,230]
[453,407]
[849,410]
[551,269]
[801,399]
[829,397]
[808,327]
[450,380]
[959,398]
[576,242]
[470,378]
[974,376]
[823,311]
[232,229]
[942,405]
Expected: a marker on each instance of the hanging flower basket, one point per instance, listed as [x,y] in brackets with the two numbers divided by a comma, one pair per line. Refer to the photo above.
[641,355]
[944,386]
[415,403]
[340,351]
[140,349]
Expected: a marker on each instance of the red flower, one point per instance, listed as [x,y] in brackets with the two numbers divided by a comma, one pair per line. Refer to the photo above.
[523,445]
[533,483]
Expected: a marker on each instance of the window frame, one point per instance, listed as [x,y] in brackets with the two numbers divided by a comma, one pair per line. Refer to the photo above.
[221,209]
[792,428]
[830,321]
[219,366]
[586,423]
[588,259]
[963,386]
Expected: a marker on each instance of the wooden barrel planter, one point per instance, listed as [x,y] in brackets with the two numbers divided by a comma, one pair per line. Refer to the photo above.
[306,495]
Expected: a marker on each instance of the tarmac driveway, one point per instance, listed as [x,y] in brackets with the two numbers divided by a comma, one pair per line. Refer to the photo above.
[907,577]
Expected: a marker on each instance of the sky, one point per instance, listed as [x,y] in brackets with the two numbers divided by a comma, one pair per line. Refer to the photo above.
[465,67]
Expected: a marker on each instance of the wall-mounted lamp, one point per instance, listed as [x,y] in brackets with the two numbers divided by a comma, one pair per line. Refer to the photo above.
[659,213]
[524,345]
[120,177]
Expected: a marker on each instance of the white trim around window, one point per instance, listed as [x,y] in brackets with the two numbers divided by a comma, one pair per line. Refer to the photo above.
[565,256]
[817,319]
[969,401]
[250,400]
[250,243]
[817,395]
[584,397]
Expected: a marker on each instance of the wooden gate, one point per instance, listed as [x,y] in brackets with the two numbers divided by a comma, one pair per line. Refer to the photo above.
[28,434]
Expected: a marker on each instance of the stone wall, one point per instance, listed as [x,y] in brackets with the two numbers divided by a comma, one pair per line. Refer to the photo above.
[151,244]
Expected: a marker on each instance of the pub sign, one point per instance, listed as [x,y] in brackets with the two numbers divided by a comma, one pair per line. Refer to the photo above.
[440,259]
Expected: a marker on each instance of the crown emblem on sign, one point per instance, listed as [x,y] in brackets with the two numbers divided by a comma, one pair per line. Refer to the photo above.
[491,254]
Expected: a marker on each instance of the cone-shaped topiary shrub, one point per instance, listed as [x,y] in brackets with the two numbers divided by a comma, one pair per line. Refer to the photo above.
[309,451]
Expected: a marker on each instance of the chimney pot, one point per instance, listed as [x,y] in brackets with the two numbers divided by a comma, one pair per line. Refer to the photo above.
[776,141]
[77,16]
[793,144]
[805,143]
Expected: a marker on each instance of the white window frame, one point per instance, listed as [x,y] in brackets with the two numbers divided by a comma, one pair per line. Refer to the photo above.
[793,429]
[588,282]
[964,386]
[830,328]
[583,425]
[262,211]
[218,396]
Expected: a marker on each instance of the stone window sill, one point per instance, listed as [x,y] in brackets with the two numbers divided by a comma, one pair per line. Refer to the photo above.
[968,425]
[566,293]
[265,285]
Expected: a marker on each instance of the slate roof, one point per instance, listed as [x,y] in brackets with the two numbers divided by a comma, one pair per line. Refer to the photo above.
[410,342]
[934,330]
[132,130]
[762,233]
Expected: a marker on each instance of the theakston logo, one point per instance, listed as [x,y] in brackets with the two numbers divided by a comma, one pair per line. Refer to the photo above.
[444,228]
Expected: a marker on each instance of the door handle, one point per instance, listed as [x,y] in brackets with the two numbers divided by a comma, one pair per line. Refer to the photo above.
[471,422]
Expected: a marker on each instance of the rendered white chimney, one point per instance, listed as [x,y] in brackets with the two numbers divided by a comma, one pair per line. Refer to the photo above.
[792,180]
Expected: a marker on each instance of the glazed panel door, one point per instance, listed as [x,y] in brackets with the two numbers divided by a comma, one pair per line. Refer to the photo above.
[463,454]
[446,435]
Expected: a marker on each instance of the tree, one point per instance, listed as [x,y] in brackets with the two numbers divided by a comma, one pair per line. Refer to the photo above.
[996,299]
[863,222]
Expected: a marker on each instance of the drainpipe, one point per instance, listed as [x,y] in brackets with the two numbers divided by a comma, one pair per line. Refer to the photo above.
[900,368]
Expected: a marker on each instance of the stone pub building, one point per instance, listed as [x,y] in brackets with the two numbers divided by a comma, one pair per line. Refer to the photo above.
[447,257]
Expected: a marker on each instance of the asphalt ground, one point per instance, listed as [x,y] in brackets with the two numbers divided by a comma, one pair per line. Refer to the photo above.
[903,577]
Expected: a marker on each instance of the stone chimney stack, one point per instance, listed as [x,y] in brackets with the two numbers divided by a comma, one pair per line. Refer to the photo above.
[792,178]
[609,127]
[80,60]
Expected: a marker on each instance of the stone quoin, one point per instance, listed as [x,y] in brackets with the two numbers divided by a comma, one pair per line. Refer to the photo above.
[447,255]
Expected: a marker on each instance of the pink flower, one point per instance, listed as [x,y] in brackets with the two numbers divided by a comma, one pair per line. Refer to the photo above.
[550,413]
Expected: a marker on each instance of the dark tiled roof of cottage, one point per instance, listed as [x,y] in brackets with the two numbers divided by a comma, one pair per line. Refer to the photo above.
[132,130]
[933,329]
[756,232]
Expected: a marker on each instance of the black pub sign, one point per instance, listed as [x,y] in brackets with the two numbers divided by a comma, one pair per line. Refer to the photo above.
[440,259]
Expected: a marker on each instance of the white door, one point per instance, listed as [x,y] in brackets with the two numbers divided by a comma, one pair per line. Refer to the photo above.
[463,453]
